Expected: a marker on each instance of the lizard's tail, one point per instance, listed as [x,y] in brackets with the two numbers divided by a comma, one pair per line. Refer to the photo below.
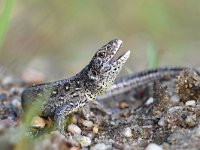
[130,82]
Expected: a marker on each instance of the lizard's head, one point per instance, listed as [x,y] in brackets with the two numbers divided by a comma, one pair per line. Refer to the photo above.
[103,68]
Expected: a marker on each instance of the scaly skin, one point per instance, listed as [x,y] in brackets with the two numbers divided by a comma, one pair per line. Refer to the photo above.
[69,95]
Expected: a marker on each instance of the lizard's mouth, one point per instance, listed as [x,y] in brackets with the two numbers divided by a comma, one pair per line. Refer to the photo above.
[123,57]
[117,44]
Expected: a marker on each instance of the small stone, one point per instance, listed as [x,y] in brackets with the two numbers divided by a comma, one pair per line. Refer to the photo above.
[38,122]
[123,105]
[74,129]
[190,103]
[99,146]
[84,141]
[191,120]
[153,146]
[76,148]
[14,91]
[16,103]
[174,109]
[95,129]
[149,101]
[32,76]
[7,81]
[127,132]
[90,135]
[3,97]
[162,122]
[87,123]
[57,135]
[175,99]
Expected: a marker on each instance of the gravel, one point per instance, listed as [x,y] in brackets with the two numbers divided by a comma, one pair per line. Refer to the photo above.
[74,129]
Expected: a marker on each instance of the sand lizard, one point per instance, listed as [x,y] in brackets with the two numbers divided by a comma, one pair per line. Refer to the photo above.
[71,94]
[93,82]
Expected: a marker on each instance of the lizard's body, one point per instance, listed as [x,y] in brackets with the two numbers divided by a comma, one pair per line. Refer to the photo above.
[70,94]
[63,97]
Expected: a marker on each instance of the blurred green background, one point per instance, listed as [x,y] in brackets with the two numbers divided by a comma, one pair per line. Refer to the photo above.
[59,38]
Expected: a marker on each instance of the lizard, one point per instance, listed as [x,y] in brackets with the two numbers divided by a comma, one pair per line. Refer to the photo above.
[69,95]
[120,86]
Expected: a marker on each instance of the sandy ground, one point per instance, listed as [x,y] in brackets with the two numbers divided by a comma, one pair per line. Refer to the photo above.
[161,115]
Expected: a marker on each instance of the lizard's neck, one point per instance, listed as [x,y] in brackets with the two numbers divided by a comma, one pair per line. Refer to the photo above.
[90,85]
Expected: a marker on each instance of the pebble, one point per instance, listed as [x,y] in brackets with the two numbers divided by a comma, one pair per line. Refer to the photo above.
[14,91]
[38,122]
[149,101]
[16,103]
[162,122]
[99,146]
[2,97]
[95,129]
[123,105]
[32,76]
[84,141]
[87,123]
[127,132]
[175,99]
[190,103]
[7,81]
[191,120]
[153,146]
[84,148]
[74,129]
[174,109]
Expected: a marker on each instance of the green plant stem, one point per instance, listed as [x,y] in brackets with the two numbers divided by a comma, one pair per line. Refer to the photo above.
[4,19]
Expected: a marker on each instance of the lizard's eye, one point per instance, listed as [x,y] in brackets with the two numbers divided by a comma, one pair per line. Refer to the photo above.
[94,73]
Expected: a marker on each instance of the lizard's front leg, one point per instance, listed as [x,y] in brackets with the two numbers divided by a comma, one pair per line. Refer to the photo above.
[63,111]
[60,115]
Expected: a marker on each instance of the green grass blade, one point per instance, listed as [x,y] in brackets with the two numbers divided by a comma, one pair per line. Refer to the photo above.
[4,19]
[152,56]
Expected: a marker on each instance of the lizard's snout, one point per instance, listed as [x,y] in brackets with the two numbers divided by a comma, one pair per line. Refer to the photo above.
[117,44]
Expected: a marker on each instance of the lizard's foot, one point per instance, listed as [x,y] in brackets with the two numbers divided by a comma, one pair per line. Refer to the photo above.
[60,123]
[60,126]
[101,108]
[87,113]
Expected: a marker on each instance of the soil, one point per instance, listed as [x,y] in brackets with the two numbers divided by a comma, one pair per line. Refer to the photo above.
[165,113]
